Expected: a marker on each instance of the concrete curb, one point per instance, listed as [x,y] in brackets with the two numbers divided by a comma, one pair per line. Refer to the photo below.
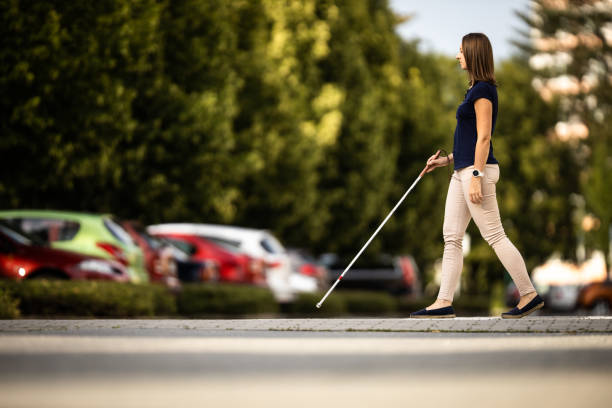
[540,324]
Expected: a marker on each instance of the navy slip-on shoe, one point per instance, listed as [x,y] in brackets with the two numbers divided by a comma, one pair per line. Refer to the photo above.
[516,313]
[442,312]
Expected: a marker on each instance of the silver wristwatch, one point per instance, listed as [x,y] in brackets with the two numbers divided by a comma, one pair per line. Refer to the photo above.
[477,173]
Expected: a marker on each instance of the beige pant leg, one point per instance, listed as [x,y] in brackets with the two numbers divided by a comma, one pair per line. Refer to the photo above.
[458,212]
[456,219]
[487,218]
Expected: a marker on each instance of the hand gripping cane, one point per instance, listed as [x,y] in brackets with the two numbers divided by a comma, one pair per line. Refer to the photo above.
[376,232]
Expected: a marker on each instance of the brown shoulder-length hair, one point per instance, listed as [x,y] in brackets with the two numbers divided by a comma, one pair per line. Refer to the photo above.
[478,55]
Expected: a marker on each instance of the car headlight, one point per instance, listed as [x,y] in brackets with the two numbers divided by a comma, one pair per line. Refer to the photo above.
[93,265]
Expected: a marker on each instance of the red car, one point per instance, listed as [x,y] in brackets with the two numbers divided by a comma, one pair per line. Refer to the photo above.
[254,268]
[159,260]
[24,257]
[200,249]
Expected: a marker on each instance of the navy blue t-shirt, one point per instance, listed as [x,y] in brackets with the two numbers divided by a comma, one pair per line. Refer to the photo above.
[464,147]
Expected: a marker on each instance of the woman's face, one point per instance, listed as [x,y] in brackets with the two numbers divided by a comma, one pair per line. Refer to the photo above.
[461,58]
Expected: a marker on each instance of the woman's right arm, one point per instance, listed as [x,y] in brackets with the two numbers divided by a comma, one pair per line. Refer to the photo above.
[434,162]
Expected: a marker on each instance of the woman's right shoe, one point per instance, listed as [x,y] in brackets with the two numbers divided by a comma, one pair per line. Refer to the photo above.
[516,313]
[442,312]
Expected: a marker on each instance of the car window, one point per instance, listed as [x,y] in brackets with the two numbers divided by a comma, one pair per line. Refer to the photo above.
[151,241]
[182,245]
[118,232]
[49,229]
[225,243]
[14,235]
[271,245]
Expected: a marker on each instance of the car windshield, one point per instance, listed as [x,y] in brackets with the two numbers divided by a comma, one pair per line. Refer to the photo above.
[182,245]
[118,232]
[18,235]
[178,245]
[271,245]
[231,246]
[151,241]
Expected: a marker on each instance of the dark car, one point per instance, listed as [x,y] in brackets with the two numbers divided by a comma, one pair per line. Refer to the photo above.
[596,297]
[393,274]
[23,256]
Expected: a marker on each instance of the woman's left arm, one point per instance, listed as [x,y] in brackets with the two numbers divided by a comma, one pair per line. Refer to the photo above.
[484,115]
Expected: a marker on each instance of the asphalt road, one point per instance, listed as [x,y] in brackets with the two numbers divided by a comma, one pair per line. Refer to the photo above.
[239,368]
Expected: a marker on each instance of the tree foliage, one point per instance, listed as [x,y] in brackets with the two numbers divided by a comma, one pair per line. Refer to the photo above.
[310,118]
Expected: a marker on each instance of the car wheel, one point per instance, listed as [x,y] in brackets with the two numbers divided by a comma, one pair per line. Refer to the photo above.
[601,307]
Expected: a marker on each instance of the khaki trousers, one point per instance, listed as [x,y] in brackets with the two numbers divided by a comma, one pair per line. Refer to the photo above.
[458,212]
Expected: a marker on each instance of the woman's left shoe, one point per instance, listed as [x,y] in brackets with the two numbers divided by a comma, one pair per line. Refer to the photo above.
[516,313]
[442,312]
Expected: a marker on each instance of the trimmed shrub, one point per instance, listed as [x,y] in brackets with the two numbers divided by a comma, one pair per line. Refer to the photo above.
[85,298]
[305,305]
[369,303]
[469,305]
[8,306]
[164,301]
[222,299]
[408,305]
[466,305]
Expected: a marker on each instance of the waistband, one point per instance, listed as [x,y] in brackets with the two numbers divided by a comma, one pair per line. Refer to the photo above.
[471,168]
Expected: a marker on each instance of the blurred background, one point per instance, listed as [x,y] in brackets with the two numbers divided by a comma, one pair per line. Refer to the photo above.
[253,146]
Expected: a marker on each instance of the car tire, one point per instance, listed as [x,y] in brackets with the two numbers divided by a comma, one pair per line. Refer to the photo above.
[601,307]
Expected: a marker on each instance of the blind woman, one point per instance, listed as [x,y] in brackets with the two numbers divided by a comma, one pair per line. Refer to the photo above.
[471,192]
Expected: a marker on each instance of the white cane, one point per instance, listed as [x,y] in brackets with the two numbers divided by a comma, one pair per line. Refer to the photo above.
[376,232]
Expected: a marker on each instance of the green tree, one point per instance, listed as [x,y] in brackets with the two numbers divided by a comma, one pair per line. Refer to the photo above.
[570,47]
[65,104]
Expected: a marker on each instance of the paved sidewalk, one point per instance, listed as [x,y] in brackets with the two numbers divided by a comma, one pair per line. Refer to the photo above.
[540,324]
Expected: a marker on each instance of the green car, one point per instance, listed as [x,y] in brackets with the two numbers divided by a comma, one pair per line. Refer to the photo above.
[91,234]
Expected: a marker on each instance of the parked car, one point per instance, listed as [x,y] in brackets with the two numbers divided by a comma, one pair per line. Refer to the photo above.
[259,244]
[562,298]
[254,268]
[306,265]
[25,257]
[189,270]
[89,234]
[596,297]
[160,259]
[200,249]
[396,275]
[559,282]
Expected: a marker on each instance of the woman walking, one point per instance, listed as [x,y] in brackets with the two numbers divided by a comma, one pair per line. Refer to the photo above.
[471,193]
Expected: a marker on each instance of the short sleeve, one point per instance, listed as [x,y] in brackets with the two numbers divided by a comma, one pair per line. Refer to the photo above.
[482,90]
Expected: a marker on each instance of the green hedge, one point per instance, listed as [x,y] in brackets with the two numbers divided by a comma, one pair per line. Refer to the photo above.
[466,305]
[8,306]
[341,303]
[89,298]
[206,300]
[472,305]
[305,306]
[369,303]
[111,299]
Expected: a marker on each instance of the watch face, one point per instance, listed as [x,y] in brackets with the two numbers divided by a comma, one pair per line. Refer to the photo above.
[475,173]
